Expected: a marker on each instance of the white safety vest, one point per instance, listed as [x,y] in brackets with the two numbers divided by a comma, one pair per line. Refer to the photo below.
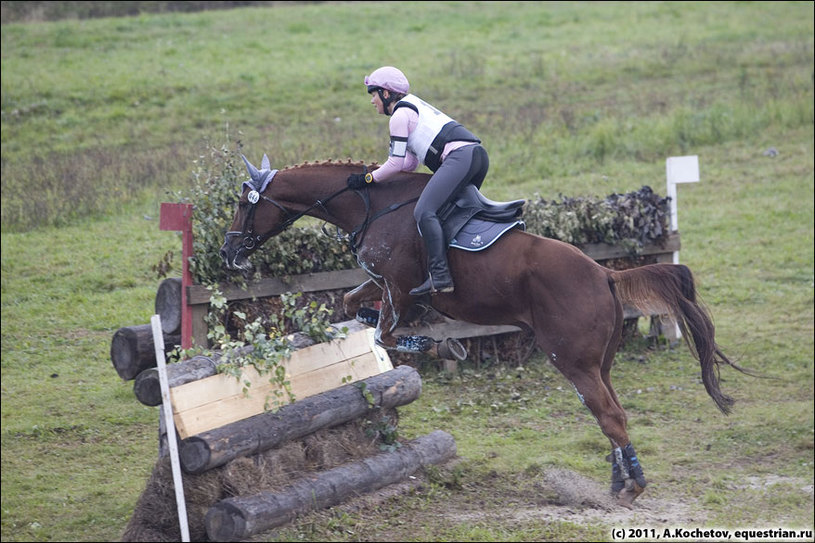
[431,121]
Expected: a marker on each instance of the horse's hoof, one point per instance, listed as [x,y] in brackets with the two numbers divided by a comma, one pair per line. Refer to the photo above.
[451,349]
[629,493]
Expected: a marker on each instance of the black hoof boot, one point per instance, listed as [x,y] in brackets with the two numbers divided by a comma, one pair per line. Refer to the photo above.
[368,316]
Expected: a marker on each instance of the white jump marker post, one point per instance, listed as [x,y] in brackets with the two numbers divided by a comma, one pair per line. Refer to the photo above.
[679,169]
[167,408]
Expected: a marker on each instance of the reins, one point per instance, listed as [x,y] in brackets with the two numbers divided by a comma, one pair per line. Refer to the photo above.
[355,238]
[252,240]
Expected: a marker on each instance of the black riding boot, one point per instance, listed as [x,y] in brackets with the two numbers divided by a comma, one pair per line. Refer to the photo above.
[439,279]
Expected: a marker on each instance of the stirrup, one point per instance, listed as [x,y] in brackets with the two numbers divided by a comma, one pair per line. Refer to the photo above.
[429,288]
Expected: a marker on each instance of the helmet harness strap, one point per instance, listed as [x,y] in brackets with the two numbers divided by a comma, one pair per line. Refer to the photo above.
[386,102]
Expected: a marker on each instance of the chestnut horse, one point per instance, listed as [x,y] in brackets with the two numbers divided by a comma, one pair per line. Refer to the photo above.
[572,304]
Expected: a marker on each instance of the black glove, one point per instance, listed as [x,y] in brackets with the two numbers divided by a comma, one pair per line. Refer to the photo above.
[357,181]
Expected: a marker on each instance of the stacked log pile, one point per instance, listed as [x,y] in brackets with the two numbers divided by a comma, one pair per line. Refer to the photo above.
[262,471]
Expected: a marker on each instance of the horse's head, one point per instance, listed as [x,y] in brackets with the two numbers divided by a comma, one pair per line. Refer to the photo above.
[269,204]
[251,228]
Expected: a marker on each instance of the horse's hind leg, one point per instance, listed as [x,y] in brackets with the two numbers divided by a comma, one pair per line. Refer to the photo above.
[627,479]
[590,381]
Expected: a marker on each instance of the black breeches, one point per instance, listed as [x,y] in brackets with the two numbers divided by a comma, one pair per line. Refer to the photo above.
[464,166]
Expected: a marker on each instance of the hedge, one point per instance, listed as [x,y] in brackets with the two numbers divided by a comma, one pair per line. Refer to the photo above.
[631,220]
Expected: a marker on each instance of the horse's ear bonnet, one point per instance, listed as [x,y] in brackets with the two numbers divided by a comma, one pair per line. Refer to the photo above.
[260,179]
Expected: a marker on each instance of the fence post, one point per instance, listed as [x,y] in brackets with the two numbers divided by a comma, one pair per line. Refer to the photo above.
[167,409]
[178,217]
[679,169]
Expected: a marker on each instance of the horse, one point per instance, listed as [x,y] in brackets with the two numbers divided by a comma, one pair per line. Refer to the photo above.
[572,305]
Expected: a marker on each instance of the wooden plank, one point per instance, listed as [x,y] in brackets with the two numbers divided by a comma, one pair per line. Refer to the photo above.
[218,400]
[604,251]
[456,329]
[275,286]
[237,407]
[217,387]
[199,326]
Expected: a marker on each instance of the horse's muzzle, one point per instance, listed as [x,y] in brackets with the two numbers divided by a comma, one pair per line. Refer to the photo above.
[232,252]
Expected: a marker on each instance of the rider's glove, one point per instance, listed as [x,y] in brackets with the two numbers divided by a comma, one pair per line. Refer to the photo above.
[357,181]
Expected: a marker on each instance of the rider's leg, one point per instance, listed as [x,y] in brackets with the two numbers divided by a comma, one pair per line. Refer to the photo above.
[439,278]
[462,166]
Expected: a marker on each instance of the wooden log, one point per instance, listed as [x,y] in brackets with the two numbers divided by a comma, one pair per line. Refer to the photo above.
[132,349]
[238,518]
[264,431]
[147,387]
[148,390]
[168,305]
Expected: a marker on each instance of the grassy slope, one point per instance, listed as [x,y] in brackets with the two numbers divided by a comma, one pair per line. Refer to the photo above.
[570,99]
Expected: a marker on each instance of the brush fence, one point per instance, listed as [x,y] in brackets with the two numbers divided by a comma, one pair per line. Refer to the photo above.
[198,296]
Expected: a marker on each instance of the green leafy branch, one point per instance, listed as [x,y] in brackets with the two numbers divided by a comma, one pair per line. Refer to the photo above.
[386,431]
[264,347]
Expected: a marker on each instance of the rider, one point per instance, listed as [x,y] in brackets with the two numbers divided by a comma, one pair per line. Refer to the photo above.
[420,132]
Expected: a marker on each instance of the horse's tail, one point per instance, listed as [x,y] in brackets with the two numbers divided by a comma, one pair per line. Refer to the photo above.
[668,289]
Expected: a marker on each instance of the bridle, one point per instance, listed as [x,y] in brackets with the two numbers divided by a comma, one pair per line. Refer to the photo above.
[252,240]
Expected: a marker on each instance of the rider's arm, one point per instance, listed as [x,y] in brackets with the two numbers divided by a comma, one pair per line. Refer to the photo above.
[400,159]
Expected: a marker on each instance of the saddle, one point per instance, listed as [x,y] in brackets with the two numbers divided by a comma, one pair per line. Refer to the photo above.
[473,222]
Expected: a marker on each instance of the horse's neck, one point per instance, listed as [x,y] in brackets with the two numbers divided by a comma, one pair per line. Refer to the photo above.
[318,183]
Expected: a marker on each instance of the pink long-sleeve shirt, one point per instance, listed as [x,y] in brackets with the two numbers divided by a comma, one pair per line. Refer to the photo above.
[402,123]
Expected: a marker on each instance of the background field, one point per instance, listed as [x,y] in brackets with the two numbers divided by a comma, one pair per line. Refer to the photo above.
[103,118]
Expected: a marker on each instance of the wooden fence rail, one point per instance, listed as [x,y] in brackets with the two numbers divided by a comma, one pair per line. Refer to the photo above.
[198,296]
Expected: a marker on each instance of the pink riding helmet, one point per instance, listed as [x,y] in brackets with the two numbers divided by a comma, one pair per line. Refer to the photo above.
[389,78]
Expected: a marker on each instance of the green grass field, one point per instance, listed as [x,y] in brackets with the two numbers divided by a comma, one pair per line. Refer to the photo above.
[103,119]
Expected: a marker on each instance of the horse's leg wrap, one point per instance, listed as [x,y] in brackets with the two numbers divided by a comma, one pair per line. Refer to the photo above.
[627,478]
[368,316]
[617,480]
[414,344]
[624,465]
[634,468]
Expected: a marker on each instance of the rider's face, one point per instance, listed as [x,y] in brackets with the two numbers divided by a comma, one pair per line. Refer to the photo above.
[377,101]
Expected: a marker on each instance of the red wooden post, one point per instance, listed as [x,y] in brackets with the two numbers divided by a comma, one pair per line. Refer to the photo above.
[178,217]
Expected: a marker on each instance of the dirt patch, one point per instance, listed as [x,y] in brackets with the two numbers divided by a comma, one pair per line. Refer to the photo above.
[563,495]
[580,500]
[552,496]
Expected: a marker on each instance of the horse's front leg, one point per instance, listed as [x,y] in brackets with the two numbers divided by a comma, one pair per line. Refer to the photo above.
[395,304]
[369,291]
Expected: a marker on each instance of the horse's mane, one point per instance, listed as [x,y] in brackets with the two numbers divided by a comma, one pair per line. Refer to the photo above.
[360,166]
[331,162]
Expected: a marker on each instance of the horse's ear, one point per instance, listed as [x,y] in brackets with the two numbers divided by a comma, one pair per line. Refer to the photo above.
[264,165]
[253,172]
